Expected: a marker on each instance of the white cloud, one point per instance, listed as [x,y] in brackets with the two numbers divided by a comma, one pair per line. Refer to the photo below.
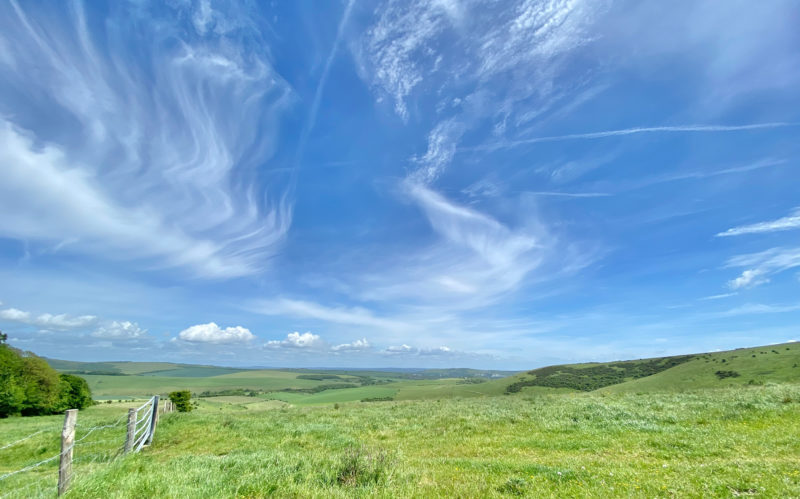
[632,131]
[760,308]
[177,128]
[414,351]
[441,149]
[792,221]
[119,330]
[748,279]
[48,321]
[395,53]
[717,297]
[296,340]
[212,333]
[13,314]
[355,346]
[759,266]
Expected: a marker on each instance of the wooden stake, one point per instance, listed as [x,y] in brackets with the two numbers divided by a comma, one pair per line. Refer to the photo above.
[67,441]
[153,420]
[131,429]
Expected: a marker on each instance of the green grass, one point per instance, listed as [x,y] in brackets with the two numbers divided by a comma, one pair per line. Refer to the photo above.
[706,443]
[774,363]
[684,431]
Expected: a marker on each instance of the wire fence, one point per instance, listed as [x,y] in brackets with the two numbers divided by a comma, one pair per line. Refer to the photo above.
[82,449]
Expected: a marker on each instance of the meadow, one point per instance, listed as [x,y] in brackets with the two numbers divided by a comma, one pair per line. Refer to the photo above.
[669,428]
[712,442]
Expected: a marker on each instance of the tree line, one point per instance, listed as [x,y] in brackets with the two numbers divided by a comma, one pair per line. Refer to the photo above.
[30,387]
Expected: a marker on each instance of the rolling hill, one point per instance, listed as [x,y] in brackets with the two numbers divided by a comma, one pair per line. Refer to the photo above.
[250,388]
[743,366]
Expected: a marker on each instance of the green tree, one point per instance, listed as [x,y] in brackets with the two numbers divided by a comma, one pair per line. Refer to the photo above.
[42,386]
[182,400]
[74,393]
[12,392]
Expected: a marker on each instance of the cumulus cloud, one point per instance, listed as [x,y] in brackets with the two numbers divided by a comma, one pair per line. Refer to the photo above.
[13,314]
[48,321]
[306,341]
[212,333]
[355,346]
[119,330]
[792,221]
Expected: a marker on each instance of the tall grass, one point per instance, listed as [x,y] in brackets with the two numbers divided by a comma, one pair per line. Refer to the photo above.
[713,443]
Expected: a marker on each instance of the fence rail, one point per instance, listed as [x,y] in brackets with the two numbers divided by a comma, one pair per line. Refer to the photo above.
[140,427]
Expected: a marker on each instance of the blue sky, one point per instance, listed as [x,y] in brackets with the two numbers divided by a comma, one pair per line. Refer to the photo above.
[401,183]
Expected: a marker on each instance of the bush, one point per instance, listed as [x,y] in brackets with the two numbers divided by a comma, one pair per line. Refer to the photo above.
[75,393]
[30,387]
[182,400]
[727,374]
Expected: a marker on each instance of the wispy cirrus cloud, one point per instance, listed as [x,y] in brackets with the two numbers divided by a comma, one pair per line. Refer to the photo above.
[314,311]
[630,131]
[760,266]
[183,116]
[790,222]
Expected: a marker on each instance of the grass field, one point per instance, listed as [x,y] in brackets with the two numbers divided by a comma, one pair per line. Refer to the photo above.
[722,424]
[713,442]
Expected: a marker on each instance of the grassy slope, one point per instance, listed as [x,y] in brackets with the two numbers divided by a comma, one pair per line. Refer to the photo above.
[774,363]
[713,443]
[766,366]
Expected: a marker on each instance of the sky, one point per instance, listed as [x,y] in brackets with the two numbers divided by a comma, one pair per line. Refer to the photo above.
[416,183]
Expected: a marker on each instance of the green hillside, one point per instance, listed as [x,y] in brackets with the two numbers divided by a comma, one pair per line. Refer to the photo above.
[775,363]
[744,366]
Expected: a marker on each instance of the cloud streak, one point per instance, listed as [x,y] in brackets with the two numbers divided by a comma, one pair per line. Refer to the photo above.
[790,222]
[629,131]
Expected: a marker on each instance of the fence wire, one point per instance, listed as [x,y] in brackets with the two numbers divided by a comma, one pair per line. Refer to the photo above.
[24,438]
[142,432]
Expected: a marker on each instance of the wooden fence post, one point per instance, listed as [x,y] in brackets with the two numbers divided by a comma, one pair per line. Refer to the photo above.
[131,430]
[153,420]
[67,442]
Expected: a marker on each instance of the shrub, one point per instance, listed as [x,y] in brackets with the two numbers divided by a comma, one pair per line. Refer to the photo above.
[727,374]
[591,378]
[182,400]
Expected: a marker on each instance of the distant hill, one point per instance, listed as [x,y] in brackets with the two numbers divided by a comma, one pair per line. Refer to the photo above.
[754,366]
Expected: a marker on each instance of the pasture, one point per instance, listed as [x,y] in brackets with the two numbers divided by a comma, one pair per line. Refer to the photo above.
[722,442]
